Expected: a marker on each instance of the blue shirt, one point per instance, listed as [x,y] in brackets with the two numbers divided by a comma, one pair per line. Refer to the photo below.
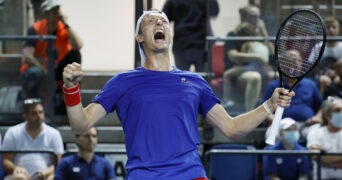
[74,168]
[286,166]
[159,114]
[304,104]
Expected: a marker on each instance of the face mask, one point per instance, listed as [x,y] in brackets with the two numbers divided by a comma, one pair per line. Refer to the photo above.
[336,120]
[290,137]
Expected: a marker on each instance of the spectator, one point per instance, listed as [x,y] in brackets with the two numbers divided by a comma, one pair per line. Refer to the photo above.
[327,138]
[287,166]
[324,73]
[35,56]
[33,134]
[158,106]
[256,70]
[335,88]
[249,14]
[251,68]
[191,26]
[307,102]
[85,164]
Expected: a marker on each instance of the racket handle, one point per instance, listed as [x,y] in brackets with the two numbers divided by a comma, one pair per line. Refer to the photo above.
[273,131]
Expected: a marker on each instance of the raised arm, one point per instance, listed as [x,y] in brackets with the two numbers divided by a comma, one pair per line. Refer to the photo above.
[80,118]
[74,38]
[244,123]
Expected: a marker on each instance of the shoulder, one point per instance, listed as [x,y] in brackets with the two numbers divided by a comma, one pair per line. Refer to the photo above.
[318,132]
[300,147]
[67,160]
[102,160]
[51,131]
[16,128]
[308,82]
[31,31]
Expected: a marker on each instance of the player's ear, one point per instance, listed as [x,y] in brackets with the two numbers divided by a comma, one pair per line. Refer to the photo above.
[139,38]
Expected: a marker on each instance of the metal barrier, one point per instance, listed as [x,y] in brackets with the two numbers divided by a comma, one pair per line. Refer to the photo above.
[118,163]
[319,155]
[55,159]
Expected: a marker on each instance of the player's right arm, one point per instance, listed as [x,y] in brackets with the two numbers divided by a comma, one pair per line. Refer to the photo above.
[80,118]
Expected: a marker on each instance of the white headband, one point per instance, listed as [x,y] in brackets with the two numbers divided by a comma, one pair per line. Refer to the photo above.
[137,28]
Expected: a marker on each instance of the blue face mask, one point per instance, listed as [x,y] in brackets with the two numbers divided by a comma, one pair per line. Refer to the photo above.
[336,120]
[290,137]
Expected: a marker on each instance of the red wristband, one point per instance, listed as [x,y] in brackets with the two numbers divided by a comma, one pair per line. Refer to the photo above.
[72,96]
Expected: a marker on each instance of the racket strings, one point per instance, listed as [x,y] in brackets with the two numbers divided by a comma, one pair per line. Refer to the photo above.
[303,33]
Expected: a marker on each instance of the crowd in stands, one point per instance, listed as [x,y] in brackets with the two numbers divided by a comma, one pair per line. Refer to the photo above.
[312,122]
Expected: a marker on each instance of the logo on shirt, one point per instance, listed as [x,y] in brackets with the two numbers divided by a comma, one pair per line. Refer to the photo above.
[76,169]
[184,80]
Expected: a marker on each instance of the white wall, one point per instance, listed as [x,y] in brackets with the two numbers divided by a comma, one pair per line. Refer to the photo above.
[107,29]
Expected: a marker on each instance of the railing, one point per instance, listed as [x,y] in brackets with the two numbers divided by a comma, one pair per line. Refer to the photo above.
[52,153]
[316,153]
[257,38]
[118,165]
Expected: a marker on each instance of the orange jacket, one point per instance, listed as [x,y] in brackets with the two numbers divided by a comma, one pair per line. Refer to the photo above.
[62,44]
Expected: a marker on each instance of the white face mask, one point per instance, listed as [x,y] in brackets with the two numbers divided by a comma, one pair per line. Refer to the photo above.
[336,120]
[290,137]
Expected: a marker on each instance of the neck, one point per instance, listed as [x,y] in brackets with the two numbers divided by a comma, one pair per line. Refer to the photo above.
[333,129]
[288,146]
[87,156]
[158,62]
[33,131]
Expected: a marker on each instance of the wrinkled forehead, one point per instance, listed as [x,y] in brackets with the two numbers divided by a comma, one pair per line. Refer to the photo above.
[149,14]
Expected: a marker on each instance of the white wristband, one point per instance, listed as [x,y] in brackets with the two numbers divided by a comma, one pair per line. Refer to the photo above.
[267,108]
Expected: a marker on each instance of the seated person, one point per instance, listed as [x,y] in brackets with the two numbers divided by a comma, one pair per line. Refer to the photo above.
[335,88]
[323,72]
[33,134]
[286,166]
[251,67]
[307,101]
[85,164]
[36,55]
[327,138]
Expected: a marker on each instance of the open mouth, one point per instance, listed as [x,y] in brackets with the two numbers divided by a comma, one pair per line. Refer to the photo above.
[159,36]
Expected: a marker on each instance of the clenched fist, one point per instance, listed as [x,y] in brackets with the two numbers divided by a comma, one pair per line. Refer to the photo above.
[72,75]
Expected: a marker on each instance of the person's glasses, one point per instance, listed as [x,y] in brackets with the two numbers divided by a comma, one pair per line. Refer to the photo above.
[333,98]
[32,101]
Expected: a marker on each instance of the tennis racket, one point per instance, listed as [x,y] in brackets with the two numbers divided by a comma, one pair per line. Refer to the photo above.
[299,46]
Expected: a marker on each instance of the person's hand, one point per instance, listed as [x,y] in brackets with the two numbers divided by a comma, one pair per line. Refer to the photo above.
[313,120]
[20,171]
[63,18]
[281,97]
[72,75]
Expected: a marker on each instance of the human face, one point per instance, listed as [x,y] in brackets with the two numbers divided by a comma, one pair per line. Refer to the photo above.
[290,135]
[53,15]
[154,33]
[35,116]
[336,107]
[295,59]
[87,142]
[333,29]
[253,15]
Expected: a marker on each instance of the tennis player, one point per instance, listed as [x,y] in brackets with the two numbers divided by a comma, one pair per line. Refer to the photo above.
[158,107]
